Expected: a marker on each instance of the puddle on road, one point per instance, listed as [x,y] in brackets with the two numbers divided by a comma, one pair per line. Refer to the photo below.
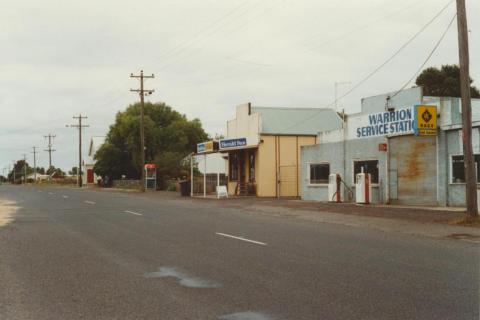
[246,316]
[183,278]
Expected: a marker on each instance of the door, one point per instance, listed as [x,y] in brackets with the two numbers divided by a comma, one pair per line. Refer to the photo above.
[90,176]
[413,167]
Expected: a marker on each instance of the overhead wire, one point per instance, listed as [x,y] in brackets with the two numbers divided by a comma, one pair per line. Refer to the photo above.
[437,44]
[363,80]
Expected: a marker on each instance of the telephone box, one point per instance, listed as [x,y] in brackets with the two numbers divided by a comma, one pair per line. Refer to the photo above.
[150,176]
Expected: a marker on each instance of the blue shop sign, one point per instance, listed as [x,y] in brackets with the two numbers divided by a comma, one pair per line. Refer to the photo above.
[233,143]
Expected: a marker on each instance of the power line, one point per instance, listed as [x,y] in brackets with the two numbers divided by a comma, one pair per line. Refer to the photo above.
[176,56]
[361,27]
[410,40]
[428,57]
[394,54]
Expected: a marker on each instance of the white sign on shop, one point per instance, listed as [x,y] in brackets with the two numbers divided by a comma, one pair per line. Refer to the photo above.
[381,124]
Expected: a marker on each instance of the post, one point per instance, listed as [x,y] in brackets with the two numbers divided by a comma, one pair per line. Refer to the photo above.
[79,126]
[34,164]
[470,176]
[24,169]
[142,93]
[79,170]
[205,175]
[218,174]
[14,178]
[50,137]
[191,175]
[142,131]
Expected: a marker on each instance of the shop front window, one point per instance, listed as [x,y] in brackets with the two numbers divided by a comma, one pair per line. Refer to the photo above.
[366,166]
[458,169]
[319,173]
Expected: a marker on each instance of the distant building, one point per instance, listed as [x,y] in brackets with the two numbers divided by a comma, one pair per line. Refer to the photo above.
[264,144]
[88,175]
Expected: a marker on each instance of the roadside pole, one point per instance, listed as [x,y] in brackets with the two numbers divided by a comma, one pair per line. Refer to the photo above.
[191,175]
[205,175]
[142,92]
[24,169]
[470,176]
[79,126]
[34,164]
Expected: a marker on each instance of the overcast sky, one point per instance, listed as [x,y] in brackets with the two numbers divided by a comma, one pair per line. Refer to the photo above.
[60,58]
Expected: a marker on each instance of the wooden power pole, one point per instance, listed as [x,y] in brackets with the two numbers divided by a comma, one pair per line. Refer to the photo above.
[49,149]
[142,92]
[79,126]
[34,164]
[470,175]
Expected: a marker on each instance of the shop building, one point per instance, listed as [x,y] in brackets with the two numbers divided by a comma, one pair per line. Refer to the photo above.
[380,140]
[264,144]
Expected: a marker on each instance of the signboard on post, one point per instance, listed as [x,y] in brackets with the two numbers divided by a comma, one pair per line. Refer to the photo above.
[425,120]
[205,147]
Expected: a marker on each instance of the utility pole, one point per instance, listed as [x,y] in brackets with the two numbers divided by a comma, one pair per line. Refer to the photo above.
[470,175]
[142,92]
[34,164]
[14,171]
[24,168]
[50,137]
[79,126]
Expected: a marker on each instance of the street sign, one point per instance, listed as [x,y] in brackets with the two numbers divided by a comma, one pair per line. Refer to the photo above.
[425,120]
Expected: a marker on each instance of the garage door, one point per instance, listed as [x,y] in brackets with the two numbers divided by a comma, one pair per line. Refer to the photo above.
[413,170]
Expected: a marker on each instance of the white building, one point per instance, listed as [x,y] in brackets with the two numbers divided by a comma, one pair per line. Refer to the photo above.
[88,175]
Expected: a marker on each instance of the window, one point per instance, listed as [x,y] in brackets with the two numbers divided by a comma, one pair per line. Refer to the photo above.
[366,166]
[233,166]
[319,173]
[251,165]
[458,169]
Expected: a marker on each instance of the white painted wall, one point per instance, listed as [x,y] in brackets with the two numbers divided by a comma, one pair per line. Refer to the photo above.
[245,126]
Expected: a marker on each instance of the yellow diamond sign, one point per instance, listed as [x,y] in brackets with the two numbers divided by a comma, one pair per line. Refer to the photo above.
[425,120]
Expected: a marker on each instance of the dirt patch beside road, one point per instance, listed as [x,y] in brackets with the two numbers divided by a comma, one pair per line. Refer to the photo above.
[7,210]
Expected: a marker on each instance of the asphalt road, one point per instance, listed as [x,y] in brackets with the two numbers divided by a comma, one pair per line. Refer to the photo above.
[76,254]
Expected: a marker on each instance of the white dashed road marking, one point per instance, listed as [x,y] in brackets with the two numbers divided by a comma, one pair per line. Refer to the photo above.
[240,238]
[51,193]
[135,213]
[89,202]
[64,196]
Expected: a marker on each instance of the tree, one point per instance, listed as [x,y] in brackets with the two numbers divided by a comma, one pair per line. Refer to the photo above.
[169,137]
[19,168]
[52,169]
[73,172]
[443,82]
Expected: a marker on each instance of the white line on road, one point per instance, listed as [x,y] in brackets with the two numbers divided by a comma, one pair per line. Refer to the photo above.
[89,202]
[240,238]
[64,196]
[51,193]
[135,213]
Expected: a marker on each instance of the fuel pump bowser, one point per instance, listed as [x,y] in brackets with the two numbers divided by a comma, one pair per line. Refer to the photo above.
[335,193]
[363,188]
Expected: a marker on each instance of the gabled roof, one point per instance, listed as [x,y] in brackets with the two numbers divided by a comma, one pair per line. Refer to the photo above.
[297,121]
